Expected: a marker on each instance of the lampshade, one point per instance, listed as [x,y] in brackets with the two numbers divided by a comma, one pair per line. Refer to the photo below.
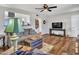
[14,26]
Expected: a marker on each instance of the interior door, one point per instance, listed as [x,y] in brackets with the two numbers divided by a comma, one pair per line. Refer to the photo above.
[75,25]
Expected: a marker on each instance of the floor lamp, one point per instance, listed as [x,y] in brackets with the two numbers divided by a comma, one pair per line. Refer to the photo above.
[14,26]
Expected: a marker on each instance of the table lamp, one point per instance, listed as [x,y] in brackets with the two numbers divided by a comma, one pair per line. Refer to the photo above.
[14,26]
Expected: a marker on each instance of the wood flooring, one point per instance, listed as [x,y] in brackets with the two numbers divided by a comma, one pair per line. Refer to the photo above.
[2,49]
[62,45]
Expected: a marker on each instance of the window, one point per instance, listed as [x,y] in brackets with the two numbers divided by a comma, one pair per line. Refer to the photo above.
[25,18]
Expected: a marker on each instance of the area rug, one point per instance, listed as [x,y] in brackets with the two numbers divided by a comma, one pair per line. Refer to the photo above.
[46,47]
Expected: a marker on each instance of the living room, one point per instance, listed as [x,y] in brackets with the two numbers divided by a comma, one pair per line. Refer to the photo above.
[48,25]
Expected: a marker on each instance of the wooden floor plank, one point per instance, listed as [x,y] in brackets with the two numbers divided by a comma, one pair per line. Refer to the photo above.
[61,45]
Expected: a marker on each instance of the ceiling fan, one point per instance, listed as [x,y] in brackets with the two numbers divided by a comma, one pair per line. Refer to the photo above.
[46,8]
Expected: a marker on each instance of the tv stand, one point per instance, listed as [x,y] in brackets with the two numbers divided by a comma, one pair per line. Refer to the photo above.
[56,30]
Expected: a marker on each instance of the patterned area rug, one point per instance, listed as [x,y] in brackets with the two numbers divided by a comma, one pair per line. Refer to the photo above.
[43,51]
[46,47]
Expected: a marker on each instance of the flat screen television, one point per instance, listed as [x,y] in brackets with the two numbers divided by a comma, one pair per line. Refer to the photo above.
[57,25]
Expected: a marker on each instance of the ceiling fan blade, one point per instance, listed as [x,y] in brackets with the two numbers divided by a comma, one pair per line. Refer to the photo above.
[39,8]
[49,10]
[52,7]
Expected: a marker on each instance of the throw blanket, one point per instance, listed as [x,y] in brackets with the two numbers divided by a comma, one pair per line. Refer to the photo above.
[33,52]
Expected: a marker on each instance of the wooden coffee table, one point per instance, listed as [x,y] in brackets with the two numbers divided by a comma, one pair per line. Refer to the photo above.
[34,41]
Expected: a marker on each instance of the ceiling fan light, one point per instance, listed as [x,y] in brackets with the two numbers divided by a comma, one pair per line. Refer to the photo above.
[45,10]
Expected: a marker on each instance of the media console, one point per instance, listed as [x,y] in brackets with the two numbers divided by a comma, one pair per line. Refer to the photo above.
[58,32]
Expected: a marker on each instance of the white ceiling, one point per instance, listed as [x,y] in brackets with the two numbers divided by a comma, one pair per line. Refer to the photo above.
[61,8]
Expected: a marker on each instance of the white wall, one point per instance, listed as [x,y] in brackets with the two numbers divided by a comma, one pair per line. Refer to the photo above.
[1,26]
[65,18]
[1,20]
[75,25]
